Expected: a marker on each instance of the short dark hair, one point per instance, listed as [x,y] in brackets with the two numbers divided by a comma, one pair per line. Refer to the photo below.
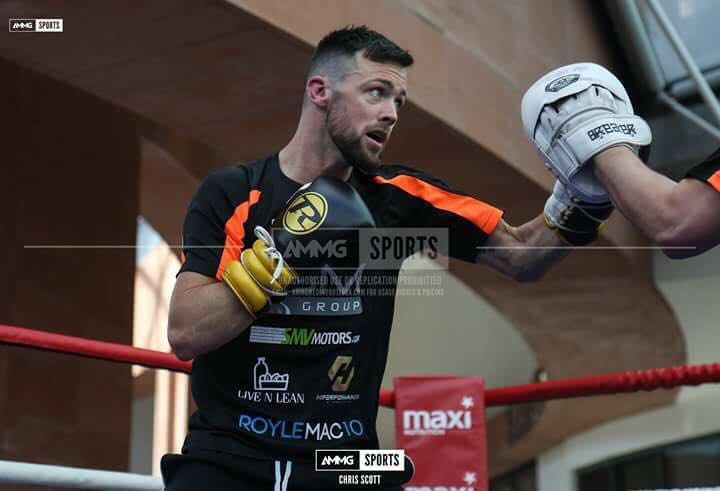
[338,47]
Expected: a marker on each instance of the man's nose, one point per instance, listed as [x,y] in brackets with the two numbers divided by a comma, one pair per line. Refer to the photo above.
[389,114]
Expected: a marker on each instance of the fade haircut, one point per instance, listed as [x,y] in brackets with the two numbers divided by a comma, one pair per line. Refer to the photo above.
[334,54]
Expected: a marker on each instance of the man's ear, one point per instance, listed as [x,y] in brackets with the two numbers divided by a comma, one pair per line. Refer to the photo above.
[318,91]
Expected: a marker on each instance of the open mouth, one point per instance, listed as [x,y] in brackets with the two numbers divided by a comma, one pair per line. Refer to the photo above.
[377,136]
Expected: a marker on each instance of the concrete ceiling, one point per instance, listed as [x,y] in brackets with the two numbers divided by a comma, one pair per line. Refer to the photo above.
[209,84]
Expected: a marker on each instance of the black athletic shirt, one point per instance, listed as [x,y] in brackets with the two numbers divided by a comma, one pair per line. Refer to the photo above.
[708,171]
[309,378]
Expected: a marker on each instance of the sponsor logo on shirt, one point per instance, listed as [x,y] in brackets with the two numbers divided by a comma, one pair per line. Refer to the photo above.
[298,336]
[323,306]
[341,374]
[270,387]
[331,294]
[282,429]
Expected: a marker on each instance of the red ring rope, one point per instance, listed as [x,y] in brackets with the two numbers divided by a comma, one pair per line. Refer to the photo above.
[93,349]
[613,383]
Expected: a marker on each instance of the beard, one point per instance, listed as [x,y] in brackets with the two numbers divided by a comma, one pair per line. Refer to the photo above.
[348,143]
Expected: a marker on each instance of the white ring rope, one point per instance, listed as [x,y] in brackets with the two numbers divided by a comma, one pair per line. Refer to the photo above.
[23,473]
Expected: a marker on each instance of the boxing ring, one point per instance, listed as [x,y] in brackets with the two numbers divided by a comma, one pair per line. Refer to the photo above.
[21,473]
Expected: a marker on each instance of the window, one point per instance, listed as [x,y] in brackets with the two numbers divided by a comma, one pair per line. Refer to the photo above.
[519,479]
[691,463]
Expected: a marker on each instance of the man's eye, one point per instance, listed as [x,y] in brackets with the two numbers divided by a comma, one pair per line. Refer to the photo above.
[399,103]
[376,92]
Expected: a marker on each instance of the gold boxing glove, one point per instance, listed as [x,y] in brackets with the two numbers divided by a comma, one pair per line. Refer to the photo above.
[260,273]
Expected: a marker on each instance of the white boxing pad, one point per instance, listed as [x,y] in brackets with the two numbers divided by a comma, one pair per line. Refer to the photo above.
[574,113]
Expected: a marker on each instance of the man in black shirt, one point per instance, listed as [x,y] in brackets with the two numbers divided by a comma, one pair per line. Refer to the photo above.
[274,383]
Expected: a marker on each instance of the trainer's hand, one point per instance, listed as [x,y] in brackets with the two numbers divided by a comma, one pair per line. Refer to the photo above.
[575,221]
[574,113]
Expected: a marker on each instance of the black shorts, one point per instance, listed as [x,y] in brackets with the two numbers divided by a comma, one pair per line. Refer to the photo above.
[218,471]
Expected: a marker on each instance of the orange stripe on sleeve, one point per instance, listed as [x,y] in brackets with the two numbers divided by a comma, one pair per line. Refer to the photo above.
[235,232]
[484,216]
[714,180]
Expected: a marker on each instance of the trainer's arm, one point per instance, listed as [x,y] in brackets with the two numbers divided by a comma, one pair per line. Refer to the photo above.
[671,214]
[524,253]
[204,315]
